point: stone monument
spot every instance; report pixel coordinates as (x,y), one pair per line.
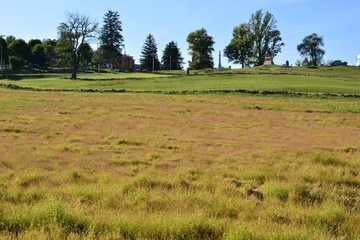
(268,59)
(306,62)
(219,67)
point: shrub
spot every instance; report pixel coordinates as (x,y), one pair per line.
(15,63)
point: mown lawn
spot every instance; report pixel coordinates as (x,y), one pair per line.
(344,80)
(141,166)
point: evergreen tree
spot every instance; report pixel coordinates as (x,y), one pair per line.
(200,47)
(171,59)
(111,37)
(149,59)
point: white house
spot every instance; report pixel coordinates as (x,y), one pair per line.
(358,61)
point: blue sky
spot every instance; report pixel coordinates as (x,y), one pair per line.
(172,20)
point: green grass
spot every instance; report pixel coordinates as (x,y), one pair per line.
(202,166)
(344,80)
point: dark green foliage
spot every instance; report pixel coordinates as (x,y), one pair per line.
(266,36)
(38,56)
(33,42)
(200,48)
(20,49)
(10,39)
(240,49)
(86,54)
(111,37)
(172,59)
(310,46)
(73,36)
(149,59)
(5,52)
(15,63)
(49,50)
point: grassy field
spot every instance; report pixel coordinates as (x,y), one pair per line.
(136,166)
(344,80)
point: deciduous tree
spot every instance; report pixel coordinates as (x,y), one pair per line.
(240,49)
(33,42)
(266,36)
(20,49)
(10,39)
(310,46)
(73,35)
(50,54)
(38,55)
(171,59)
(200,48)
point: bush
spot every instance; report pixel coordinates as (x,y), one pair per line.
(15,63)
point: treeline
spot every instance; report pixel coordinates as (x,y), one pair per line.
(252,41)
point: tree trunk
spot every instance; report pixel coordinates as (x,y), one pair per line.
(73,75)
(75,69)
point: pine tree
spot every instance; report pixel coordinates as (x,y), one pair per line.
(111,37)
(149,59)
(171,59)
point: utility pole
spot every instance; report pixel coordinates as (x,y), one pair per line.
(153,55)
(2,64)
(170,62)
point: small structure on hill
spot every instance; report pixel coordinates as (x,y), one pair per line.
(337,63)
(305,62)
(358,61)
(219,67)
(127,63)
(268,59)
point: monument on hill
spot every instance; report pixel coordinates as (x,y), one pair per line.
(268,59)
(358,61)
(219,67)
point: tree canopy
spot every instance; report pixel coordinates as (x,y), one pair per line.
(111,38)
(33,42)
(38,55)
(171,59)
(200,48)
(310,46)
(20,49)
(266,36)
(73,35)
(149,59)
(240,49)
(5,52)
